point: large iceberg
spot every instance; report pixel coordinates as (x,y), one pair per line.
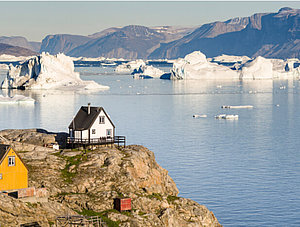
(147,71)
(196,66)
(262,68)
(47,72)
(129,67)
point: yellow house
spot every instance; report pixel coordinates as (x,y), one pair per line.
(13,172)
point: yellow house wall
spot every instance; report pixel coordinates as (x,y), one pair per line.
(13,177)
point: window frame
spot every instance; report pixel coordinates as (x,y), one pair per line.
(108,130)
(101,119)
(11,160)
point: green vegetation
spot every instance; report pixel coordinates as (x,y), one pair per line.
(20,152)
(172,198)
(141,213)
(71,161)
(156,196)
(32,205)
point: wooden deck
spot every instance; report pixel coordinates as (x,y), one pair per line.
(119,140)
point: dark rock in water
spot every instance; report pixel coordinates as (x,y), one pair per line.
(166,76)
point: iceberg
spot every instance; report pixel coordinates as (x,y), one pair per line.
(227,116)
(17,99)
(237,107)
(262,68)
(47,72)
(199,116)
(4,66)
(129,67)
(12,58)
(230,59)
(196,66)
(146,72)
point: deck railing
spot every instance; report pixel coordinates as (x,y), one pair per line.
(97,141)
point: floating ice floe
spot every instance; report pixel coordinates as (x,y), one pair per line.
(227,116)
(199,116)
(47,72)
(147,72)
(237,107)
(129,67)
(196,66)
(3,66)
(11,58)
(17,99)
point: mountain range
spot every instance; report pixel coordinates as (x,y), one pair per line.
(274,35)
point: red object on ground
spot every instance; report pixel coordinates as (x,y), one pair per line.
(122,204)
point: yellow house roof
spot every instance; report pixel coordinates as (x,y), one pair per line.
(4,149)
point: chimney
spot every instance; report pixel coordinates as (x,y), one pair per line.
(89,108)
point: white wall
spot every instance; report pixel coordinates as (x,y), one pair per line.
(101,128)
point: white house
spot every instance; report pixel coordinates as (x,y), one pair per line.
(91,123)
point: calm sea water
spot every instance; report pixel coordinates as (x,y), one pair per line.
(246,171)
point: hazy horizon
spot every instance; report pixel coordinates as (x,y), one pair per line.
(35,20)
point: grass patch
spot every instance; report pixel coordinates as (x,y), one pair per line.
(141,213)
(109,222)
(31,205)
(172,198)
(156,196)
(22,152)
(71,161)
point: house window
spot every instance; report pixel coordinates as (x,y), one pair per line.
(93,131)
(108,132)
(11,160)
(101,120)
(0,176)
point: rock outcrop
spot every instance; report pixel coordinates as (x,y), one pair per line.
(87,181)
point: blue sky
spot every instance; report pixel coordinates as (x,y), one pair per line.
(35,20)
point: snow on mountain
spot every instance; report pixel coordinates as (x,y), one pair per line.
(47,72)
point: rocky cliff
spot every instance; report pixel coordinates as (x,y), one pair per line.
(15,50)
(87,181)
(274,35)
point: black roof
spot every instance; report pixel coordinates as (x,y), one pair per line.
(3,150)
(84,121)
